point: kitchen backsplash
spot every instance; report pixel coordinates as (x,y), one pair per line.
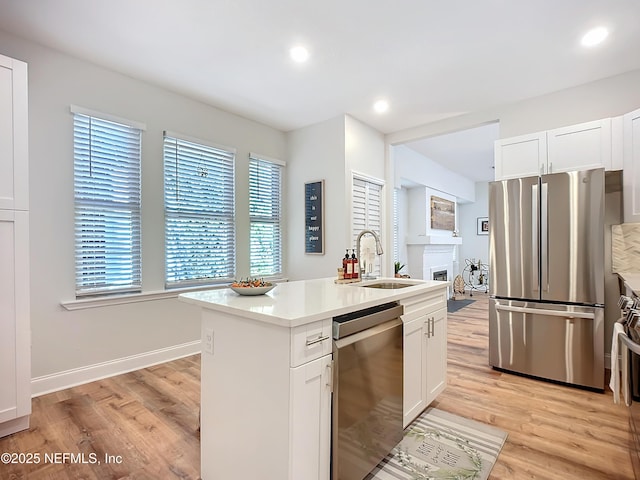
(625,247)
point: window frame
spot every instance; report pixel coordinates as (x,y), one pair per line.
(116,208)
(224,153)
(268,220)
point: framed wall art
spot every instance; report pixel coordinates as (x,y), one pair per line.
(443,214)
(483,226)
(314,217)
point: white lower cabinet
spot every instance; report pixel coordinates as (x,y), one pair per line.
(415,369)
(15,336)
(266,389)
(310,438)
(15,348)
(437,355)
(425,354)
(266,399)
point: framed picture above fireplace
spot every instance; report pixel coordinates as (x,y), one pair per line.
(443,214)
(483,226)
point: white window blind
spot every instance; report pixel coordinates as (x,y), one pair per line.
(265,212)
(199,212)
(107,206)
(366,213)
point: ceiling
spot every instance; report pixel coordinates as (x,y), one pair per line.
(430,59)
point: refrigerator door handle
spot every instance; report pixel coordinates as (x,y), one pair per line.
(544,237)
(534,236)
(541,311)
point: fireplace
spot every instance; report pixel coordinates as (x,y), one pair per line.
(440,275)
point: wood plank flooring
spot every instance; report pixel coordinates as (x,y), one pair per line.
(149,419)
(146,421)
(555,432)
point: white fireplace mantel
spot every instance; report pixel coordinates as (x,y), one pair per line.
(433,240)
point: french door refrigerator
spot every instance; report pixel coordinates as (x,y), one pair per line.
(546,272)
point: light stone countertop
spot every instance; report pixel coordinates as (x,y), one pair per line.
(291,304)
(631,280)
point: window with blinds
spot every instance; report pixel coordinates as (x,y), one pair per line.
(366,213)
(199,212)
(265,213)
(107,205)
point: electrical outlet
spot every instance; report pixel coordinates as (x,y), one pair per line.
(208,340)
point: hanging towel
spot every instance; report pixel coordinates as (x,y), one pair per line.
(614,382)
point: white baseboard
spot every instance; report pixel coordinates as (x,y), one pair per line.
(78,376)
(13,426)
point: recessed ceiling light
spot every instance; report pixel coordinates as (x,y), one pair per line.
(594,36)
(299,54)
(381,106)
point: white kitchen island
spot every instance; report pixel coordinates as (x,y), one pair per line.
(266,371)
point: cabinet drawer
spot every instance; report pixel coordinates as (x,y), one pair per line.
(310,341)
(424,304)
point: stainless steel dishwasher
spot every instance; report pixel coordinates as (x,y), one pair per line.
(367,389)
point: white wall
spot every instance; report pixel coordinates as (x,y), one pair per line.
(403,226)
(331,151)
(420,170)
(364,149)
(364,155)
(65,341)
(316,153)
(473,246)
(609,97)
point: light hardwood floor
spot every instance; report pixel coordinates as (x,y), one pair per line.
(555,432)
(149,418)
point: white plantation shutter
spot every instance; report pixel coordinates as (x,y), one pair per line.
(199,212)
(396,227)
(107,205)
(265,213)
(366,210)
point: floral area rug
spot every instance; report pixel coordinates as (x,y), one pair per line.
(438,446)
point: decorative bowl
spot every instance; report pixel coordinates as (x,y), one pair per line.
(252,290)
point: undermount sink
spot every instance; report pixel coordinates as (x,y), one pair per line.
(389,285)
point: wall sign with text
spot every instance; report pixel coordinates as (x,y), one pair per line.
(313,214)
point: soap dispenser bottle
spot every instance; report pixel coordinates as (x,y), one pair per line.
(356,267)
(346,265)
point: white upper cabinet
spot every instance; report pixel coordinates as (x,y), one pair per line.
(520,156)
(631,176)
(576,147)
(14,164)
(579,147)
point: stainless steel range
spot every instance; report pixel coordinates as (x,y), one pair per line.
(367,389)
(631,339)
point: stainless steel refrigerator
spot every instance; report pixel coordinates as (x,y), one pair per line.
(546,272)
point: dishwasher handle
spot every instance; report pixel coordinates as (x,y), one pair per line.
(355,322)
(369,332)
